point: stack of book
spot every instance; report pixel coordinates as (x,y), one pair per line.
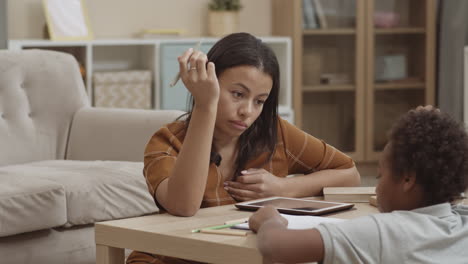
(348,194)
(373,200)
(313,14)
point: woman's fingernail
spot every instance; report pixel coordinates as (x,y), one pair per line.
(226,183)
(191,49)
(226,188)
(244,171)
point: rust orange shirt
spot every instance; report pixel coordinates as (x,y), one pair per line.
(296,153)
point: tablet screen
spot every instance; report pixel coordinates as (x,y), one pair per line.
(296,206)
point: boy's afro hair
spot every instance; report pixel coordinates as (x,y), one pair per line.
(434,146)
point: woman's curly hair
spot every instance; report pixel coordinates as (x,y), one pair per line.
(434,146)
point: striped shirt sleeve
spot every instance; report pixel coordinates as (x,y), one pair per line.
(306,153)
(160,157)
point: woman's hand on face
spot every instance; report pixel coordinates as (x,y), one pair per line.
(267,213)
(199,77)
(254,184)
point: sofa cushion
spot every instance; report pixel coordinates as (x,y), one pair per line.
(40,93)
(94,190)
(101,190)
(50,246)
(29,203)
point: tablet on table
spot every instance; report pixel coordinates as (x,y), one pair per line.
(295,205)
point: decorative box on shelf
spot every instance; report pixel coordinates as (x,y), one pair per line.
(123,89)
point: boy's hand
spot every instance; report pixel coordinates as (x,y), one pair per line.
(254,184)
(266,214)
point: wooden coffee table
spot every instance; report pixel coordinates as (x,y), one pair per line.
(169,235)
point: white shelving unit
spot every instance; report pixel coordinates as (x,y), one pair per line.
(158,56)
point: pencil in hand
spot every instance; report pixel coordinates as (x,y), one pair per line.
(177,77)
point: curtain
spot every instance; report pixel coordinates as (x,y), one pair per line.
(452,37)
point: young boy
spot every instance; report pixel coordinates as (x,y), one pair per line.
(423,169)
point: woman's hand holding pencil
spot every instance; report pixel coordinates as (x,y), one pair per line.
(199,77)
(177,77)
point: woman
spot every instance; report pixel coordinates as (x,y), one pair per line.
(232,145)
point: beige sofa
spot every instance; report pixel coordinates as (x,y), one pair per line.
(63,164)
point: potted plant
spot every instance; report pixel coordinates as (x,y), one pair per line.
(223,17)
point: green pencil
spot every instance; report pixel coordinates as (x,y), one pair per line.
(216,227)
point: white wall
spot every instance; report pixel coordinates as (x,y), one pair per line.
(124,18)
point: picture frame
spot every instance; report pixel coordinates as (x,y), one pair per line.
(67,20)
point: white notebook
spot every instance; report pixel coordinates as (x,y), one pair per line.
(299,221)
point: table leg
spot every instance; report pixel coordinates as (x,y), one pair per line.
(109,255)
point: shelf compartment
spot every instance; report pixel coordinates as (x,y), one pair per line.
(334,54)
(109,57)
(123,57)
(331,116)
(408,11)
(411,47)
(389,106)
(329,14)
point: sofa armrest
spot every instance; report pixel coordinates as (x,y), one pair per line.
(114,134)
